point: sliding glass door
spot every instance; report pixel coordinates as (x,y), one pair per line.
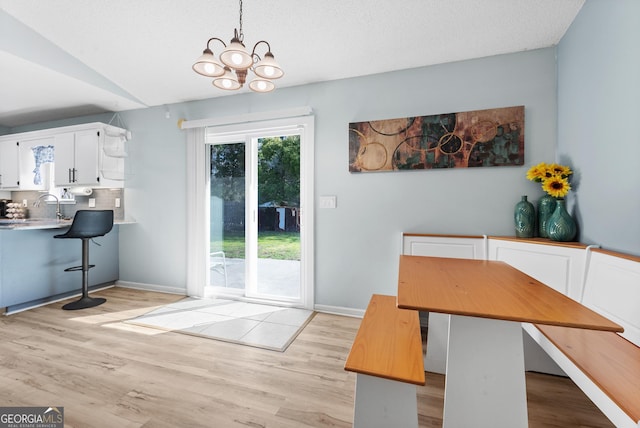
(256,225)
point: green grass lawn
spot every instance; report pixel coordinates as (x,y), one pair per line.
(271,245)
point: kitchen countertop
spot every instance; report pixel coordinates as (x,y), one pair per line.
(45,223)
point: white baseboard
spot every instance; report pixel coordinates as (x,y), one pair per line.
(151,287)
(335,310)
(340,310)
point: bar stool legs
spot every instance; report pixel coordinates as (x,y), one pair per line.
(85,301)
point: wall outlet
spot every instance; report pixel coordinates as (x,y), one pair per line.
(92,202)
(24,203)
(117,203)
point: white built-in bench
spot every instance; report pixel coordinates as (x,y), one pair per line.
(605,365)
(386,356)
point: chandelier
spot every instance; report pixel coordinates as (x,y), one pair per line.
(231,71)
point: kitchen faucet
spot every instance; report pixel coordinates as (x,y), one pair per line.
(46,195)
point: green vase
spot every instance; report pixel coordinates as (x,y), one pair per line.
(561,226)
(546,206)
(524,216)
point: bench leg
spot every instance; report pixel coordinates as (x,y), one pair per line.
(383,403)
(485,382)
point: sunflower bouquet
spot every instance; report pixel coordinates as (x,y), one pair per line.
(554,178)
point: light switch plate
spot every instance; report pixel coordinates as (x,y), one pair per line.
(328,201)
(92,202)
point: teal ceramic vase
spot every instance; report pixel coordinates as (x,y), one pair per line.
(561,226)
(546,206)
(524,216)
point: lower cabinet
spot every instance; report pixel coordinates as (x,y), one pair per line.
(560,266)
(32,265)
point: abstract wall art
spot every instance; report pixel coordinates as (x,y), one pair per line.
(492,137)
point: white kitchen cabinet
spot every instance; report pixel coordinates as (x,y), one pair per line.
(9,165)
(76,158)
(81,157)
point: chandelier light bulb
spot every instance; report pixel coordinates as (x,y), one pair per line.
(268,70)
(262,85)
(228,81)
(209,68)
(236,58)
(206,65)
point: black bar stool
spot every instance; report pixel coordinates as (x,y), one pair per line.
(87,224)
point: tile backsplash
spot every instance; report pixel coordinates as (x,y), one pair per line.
(105,199)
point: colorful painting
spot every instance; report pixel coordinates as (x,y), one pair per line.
(493,137)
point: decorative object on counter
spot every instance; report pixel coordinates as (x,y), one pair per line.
(15,211)
(554,178)
(561,226)
(525,218)
(546,206)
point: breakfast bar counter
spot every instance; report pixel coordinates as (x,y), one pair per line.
(32,263)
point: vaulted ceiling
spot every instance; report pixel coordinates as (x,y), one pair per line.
(68,58)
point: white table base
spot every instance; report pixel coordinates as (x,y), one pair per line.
(485,382)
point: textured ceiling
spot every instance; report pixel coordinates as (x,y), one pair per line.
(66,58)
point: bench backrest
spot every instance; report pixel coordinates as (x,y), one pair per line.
(612,288)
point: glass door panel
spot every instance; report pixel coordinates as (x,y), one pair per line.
(278,226)
(227,217)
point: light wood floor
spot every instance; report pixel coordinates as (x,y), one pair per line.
(106,373)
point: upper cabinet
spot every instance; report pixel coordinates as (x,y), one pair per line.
(76,158)
(9,160)
(66,156)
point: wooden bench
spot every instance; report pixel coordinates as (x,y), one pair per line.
(386,356)
(606,366)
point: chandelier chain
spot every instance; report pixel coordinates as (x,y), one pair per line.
(241,37)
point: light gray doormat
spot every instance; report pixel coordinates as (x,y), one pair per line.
(262,326)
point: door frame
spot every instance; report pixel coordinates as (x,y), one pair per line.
(302,125)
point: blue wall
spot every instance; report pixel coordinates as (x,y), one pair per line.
(598,118)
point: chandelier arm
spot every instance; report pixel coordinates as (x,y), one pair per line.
(253,52)
(215,38)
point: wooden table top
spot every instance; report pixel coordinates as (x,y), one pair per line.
(489,289)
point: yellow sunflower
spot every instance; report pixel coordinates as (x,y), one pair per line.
(538,172)
(556,186)
(561,170)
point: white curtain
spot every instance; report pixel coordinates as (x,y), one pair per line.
(197,213)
